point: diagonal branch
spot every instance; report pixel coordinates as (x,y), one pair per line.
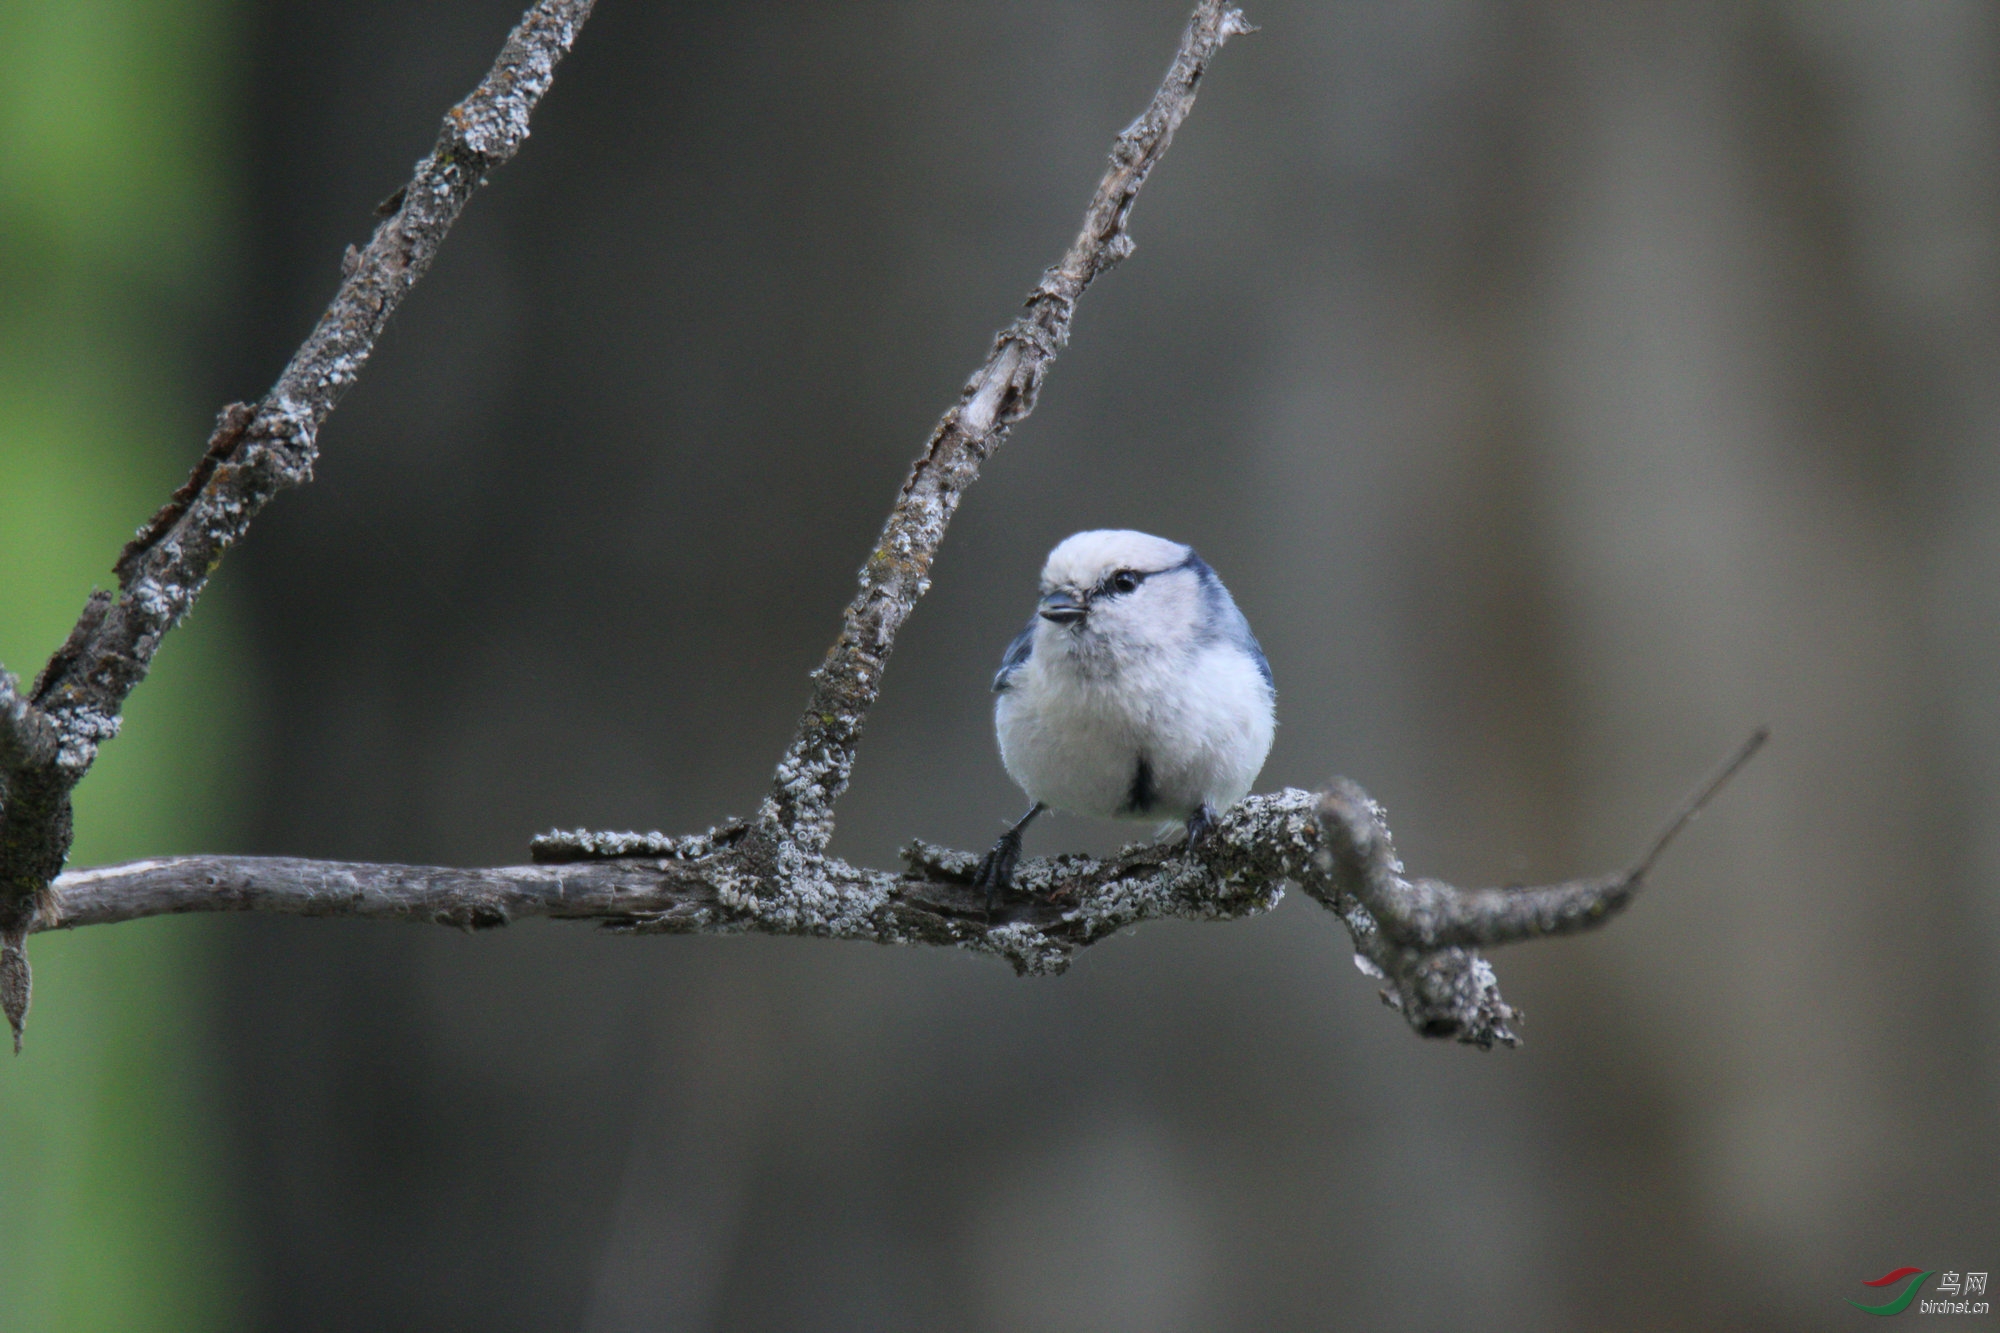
(258,451)
(814,771)
(255,452)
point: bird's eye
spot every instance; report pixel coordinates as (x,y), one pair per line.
(1124,581)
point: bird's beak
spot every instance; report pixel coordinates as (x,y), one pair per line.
(1063,609)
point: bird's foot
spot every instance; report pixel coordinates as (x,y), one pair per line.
(1200,825)
(996,872)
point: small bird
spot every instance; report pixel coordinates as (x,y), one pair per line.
(1137,691)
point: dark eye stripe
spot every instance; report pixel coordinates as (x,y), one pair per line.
(1122,580)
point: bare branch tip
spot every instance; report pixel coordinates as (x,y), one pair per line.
(1691,809)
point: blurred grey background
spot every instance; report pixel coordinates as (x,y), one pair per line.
(1563,389)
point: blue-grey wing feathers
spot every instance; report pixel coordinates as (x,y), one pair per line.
(1227,619)
(1018,653)
(1256,651)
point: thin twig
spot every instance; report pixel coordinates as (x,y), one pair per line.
(1694,805)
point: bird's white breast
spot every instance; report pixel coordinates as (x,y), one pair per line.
(1072,732)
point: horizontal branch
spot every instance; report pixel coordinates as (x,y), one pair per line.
(1426,915)
(1417,935)
(716,883)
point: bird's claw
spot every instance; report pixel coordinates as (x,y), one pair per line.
(996,872)
(1200,825)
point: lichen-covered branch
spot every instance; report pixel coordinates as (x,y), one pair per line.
(27,739)
(797,819)
(1420,936)
(716,883)
(255,452)
(33,842)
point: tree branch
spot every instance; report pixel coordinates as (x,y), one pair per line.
(1426,915)
(1420,936)
(715,883)
(254,453)
(27,739)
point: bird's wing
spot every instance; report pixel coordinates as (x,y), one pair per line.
(1228,619)
(1018,653)
(1256,651)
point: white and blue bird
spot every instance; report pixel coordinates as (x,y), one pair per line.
(1137,691)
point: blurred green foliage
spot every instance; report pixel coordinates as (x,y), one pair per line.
(115,204)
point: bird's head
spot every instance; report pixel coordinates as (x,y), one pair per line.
(1115,587)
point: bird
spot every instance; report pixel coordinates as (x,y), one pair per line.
(1137,691)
